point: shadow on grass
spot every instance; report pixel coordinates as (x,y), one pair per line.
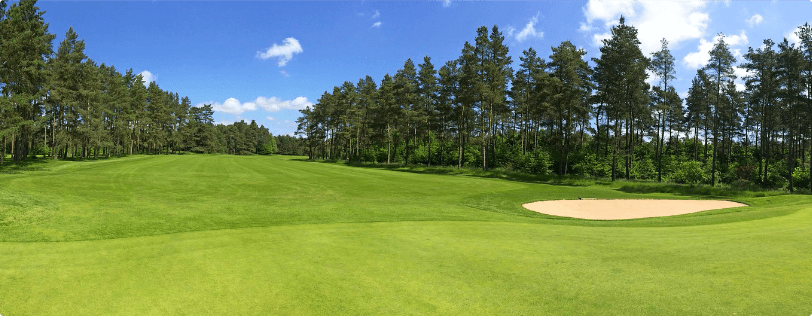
(496,173)
(575,181)
(9,167)
(695,190)
(41,163)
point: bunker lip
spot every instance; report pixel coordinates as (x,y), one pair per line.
(625,209)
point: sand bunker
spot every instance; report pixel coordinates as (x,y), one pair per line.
(625,209)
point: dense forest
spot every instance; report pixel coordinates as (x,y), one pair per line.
(571,116)
(63,104)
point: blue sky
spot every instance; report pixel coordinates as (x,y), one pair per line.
(264,60)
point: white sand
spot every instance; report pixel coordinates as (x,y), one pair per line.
(625,209)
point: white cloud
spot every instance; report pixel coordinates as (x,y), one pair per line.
(740,72)
(224,122)
(377,24)
(376,15)
(446,3)
(652,78)
(755,20)
(147,77)
(284,73)
(597,39)
(233,106)
(736,40)
(270,118)
(285,51)
(699,58)
(529,30)
(792,37)
(272,104)
(676,21)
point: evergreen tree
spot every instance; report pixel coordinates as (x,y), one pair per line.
(805,35)
(26,44)
(427,93)
(662,65)
(719,70)
(570,89)
(621,79)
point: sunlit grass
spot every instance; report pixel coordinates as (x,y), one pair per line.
(201,234)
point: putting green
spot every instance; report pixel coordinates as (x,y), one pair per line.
(190,235)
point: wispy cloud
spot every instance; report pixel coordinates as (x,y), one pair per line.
(755,20)
(529,30)
(446,3)
(284,73)
(376,15)
(284,52)
(377,24)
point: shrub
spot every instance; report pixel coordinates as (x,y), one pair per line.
(689,172)
(644,170)
(588,165)
(800,178)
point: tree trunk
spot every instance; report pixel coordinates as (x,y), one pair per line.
(388,144)
(614,152)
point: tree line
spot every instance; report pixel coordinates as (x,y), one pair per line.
(63,104)
(571,116)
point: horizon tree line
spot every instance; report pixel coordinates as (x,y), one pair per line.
(62,104)
(567,115)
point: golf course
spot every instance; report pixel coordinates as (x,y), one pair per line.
(278,235)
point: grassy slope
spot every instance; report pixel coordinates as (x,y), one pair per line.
(330,238)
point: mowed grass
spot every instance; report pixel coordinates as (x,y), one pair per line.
(192,235)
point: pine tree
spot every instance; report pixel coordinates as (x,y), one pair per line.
(719,70)
(407,98)
(805,35)
(26,44)
(528,82)
(570,89)
(447,104)
(791,81)
(427,94)
(388,111)
(662,64)
(621,79)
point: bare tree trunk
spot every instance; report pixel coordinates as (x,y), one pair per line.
(614,152)
(388,144)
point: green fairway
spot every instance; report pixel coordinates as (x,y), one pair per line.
(209,234)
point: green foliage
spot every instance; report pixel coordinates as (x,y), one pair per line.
(644,169)
(589,165)
(800,178)
(689,172)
